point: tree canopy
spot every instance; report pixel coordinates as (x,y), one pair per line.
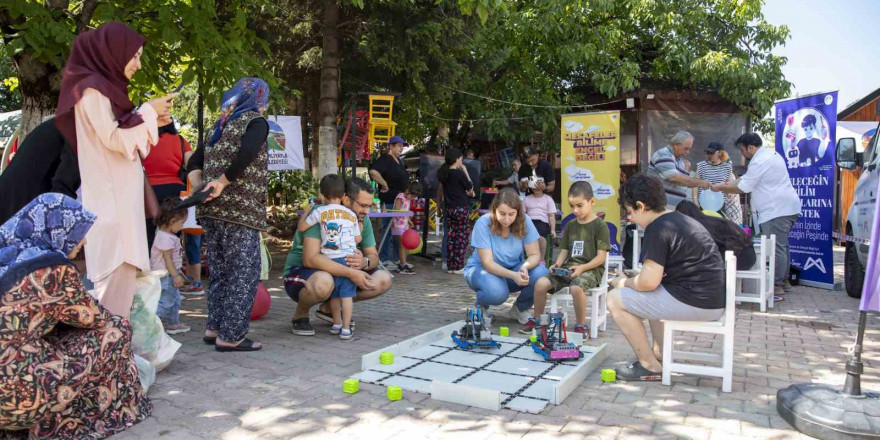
(507,67)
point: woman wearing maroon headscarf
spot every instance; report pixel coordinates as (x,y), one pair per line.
(110,137)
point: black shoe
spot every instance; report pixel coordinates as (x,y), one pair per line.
(302,327)
(636,372)
(328,318)
(406,270)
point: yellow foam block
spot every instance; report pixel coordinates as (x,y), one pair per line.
(351,386)
(394,393)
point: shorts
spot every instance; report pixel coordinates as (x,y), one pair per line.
(586,280)
(193,249)
(542,227)
(296,278)
(660,304)
(342,286)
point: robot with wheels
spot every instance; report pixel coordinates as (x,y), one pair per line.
(552,342)
(475,333)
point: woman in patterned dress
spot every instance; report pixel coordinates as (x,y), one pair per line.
(68,371)
(234,162)
(457,188)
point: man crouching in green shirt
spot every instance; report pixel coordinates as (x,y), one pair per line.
(308,275)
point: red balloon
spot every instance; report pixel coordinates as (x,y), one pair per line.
(411,239)
(262,303)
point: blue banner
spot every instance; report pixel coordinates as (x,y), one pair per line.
(806,138)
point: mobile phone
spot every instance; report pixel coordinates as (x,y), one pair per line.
(565,273)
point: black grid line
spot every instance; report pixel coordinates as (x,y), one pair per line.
(510,397)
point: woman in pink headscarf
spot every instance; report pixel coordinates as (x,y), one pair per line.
(110,137)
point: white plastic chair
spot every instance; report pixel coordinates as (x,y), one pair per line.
(638,234)
(597,297)
(723,327)
(763,274)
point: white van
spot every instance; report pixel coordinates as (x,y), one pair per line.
(861,214)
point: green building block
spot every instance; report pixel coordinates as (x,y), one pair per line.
(386,358)
(351,386)
(533,338)
(394,393)
(503,331)
(609,375)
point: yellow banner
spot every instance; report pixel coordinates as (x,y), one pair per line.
(591,152)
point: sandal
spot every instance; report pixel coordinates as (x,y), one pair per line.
(245,345)
(636,372)
(210,340)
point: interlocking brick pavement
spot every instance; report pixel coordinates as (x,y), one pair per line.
(293,387)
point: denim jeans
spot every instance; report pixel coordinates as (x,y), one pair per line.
(781,226)
(493,290)
(343,287)
(388,252)
(169,302)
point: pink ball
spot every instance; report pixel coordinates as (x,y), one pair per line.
(411,239)
(262,303)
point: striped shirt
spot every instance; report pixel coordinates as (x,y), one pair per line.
(665,165)
(715,174)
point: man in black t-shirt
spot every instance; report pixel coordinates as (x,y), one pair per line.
(539,173)
(682,276)
(389,172)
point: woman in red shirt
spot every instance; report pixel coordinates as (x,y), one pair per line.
(166,171)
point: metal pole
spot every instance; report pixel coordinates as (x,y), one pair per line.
(854,367)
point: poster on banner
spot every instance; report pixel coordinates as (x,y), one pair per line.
(806,138)
(285,145)
(591,152)
(871,292)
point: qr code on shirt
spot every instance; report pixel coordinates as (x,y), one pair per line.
(577,249)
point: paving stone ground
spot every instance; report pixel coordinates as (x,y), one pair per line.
(293,387)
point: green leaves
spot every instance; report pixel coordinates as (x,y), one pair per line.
(186,39)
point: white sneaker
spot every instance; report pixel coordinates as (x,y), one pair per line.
(455,272)
(390,265)
(487,313)
(520,316)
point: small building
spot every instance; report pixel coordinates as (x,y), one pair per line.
(652,114)
(865,109)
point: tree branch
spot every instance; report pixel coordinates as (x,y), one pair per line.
(58,5)
(85,15)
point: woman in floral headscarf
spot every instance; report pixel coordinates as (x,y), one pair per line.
(110,137)
(76,380)
(235,164)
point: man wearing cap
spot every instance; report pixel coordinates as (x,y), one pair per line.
(775,203)
(389,172)
(668,164)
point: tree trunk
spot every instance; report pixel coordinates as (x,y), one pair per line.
(328,106)
(40,83)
